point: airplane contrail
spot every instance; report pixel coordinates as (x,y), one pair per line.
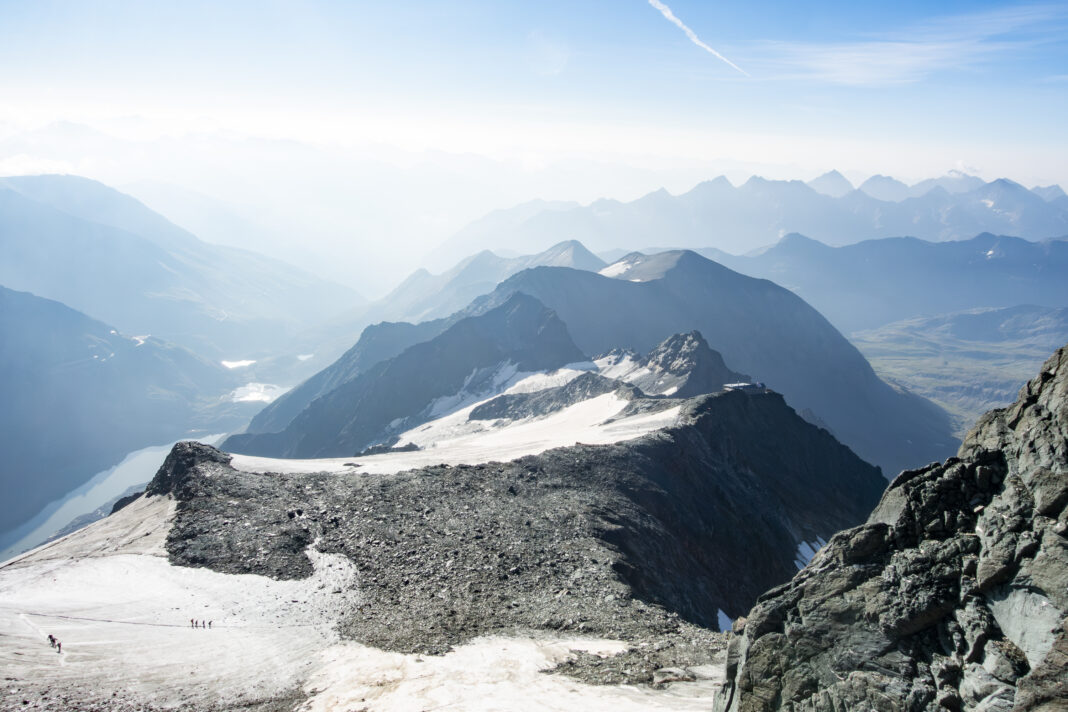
(670,16)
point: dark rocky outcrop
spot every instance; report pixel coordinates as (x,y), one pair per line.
(645,540)
(953,595)
(684,366)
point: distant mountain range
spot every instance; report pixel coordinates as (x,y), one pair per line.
(759,328)
(760,212)
(77,395)
(424,296)
(107,255)
(876,282)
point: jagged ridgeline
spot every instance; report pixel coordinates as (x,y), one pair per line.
(638,540)
(761,329)
(953,595)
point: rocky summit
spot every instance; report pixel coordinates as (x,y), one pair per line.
(953,595)
(652,541)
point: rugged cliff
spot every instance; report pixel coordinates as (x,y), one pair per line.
(953,595)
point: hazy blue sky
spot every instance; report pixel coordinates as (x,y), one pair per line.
(550,90)
(982,73)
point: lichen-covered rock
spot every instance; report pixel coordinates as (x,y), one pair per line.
(952,596)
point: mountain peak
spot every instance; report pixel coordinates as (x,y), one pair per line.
(569,253)
(795,239)
(885,188)
(1049,193)
(831,183)
(691,365)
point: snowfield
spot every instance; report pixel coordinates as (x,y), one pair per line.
(455,439)
(122,611)
(123,615)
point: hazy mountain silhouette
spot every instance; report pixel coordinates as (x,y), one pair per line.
(424,296)
(885,188)
(831,183)
(104,253)
(760,212)
(876,282)
(76,396)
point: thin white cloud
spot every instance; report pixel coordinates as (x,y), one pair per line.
(912,54)
(670,16)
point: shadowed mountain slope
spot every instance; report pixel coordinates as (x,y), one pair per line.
(107,255)
(758,327)
(396,394)
(77,396)
(876,282)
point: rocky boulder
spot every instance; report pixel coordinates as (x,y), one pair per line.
(953,595)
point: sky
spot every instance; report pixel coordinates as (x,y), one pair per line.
(360,127)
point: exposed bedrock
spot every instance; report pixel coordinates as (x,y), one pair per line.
(952,596)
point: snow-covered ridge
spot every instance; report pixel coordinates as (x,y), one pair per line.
(620,267)
(456,440)
(453,437)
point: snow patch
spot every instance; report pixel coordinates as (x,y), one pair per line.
(122,612)
(456,440)
(490,673)
(538,381)
(504,374)
(238,364)
(622,367)
(617,269)
(256,392)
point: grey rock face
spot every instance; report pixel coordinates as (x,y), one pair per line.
(684,366)
(953,595)
(644,541)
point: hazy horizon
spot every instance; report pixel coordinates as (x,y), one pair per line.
(353,139)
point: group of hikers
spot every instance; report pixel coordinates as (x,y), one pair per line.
(54,642)
(193,623)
